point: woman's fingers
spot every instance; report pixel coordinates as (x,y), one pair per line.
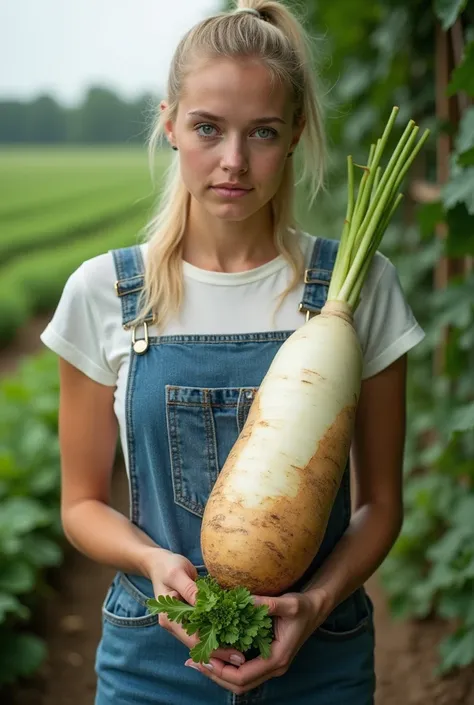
(181,585)
(232,656)
(214,670)
(184,584)
(224,655)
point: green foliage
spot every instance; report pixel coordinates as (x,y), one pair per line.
(448,11)
(30,531)
(220,618)
(20,656)
(384,55)
(462,78)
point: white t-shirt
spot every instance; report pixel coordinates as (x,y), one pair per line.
(86,329)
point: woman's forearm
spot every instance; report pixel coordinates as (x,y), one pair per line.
(108,537)
(370,536)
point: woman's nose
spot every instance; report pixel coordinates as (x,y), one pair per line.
(234,157)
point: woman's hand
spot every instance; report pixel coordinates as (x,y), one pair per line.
(298,615)
(172,574)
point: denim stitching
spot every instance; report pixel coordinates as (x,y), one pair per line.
(315,293)
(129,260)
(134,592)
(129,284)
(262,337)
(240,411)
(235,396)
(134,503)
(212,456)
(200,405)
(125,262)
(146,621)
(175,460)
(119,263)
(244,405)
(205,405)
(342,636)
(130,622)
(124,265)
(169,423)
(136,255)
(318,273)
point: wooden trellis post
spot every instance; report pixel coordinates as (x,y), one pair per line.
(449,52)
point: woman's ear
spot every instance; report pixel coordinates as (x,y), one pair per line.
(168,126)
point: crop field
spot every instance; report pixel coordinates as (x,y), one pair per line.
(58,208)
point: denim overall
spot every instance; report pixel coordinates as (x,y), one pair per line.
(187,400)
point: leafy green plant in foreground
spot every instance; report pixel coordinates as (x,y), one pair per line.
(30,530)
(221,618)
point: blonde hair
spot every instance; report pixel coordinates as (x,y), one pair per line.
(277,38)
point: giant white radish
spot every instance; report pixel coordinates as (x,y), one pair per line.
(268,510)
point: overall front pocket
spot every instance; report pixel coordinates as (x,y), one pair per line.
(125,605)
(349,619)
(203,425)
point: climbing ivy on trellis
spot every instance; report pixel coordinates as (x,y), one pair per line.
(384,54)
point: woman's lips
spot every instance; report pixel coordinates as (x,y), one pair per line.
(225,192)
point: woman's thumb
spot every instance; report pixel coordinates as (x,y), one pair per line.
(185,586)
(278,606)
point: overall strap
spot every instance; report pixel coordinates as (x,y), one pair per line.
(318,276)
(130,269)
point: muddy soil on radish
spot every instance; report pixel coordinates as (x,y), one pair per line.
(406,652)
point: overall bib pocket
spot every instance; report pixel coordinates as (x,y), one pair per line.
(203,425)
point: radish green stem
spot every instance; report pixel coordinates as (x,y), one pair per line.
(342,273)
(370,212)
(383,182)
(368,234)
(355,293)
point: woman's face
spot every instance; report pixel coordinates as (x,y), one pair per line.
(234,130)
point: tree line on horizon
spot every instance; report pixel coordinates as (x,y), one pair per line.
(102,117)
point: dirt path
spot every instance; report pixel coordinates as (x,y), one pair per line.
(26,342)
(406,652)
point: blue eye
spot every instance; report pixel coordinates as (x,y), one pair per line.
(205,130)
(268,133)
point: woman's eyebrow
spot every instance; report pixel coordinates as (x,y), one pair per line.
(215,118)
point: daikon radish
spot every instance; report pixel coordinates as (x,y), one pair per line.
(268,511)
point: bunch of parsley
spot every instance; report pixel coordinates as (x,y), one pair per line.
(221,618)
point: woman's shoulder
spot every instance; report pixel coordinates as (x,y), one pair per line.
(102,267)
(86,326)
(98,275)
(93,280)
(94,283)
(97,271)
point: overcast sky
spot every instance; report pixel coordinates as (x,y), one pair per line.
(63,46)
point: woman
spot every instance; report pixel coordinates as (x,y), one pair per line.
(167,342)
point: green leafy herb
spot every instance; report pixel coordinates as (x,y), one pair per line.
(220,618)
